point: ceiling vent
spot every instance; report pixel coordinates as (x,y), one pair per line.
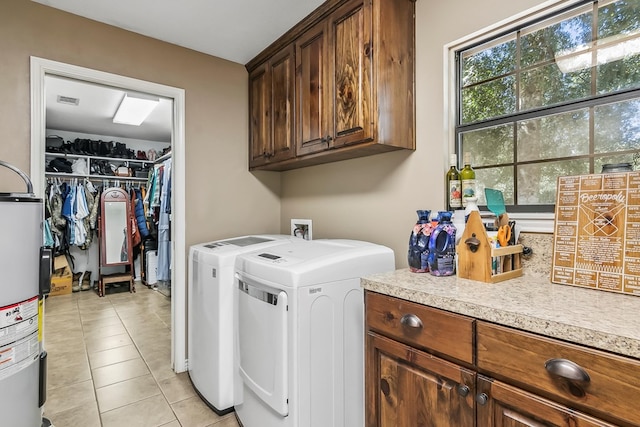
(68,100)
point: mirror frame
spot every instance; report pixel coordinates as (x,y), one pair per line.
(114,194)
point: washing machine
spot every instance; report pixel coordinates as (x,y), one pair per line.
(211,315)
(300,339)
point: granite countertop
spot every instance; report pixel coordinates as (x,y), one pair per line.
(598,319)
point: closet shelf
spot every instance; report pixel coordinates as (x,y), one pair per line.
(163,157)
(84,156)
(94,177)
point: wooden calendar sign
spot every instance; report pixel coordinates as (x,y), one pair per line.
(596,241)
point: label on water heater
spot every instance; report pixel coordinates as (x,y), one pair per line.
(18,355)
(18,320)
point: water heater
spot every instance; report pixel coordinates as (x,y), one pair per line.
(26,273)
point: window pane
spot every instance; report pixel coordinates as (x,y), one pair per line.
(547,85)
(488,100)
(618,17)
(560,135)
(618,46)
(500,178)
(489,146)
(619,74)
(544,41)
(537,182)
(617,127)
(488,61)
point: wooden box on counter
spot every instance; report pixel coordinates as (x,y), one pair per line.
(476,256)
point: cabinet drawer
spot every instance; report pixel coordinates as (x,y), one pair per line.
(594,381)
(421,326)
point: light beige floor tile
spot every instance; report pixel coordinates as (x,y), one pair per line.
(92,325)
(85,416)
(106,331)
(111,356)
(63,359)
(117,372)
(228,421)
(151,412)
(193,412)
(101,306)
(100,315)
(160,367)
(126,392)
(173,423)
(61,373)
(177,388)
(98,343)
(71,350)
(71,396)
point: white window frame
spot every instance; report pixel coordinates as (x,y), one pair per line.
(542,222)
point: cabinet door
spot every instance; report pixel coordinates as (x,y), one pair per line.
(408,388)
(282,70)
(259,120)
(502,405)
(313,107)
(351,79)
(271,100)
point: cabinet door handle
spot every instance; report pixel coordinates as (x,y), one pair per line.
(411,321)
(326,139)
(482,399)
(463,390)
(568,370)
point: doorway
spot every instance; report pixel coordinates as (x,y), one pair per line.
(43,68)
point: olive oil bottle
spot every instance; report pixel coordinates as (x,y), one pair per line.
(454,190)
(468,180)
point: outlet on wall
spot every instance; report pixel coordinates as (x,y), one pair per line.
(302,228)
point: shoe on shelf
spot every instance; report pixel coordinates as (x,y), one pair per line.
(86,281)
(75,284)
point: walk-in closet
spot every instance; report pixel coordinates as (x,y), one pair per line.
(90,155)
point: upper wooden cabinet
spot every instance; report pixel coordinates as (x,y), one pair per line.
(354,83)
(271,110)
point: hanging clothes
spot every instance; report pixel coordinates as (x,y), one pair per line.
(164,232)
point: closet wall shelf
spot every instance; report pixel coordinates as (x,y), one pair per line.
(94,177)
(163,158)
(84,156)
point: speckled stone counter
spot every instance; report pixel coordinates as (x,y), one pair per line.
(598,319)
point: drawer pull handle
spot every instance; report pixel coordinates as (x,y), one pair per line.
(411,321)
(568,370)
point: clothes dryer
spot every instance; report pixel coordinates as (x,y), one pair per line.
(211,315)
(300,339)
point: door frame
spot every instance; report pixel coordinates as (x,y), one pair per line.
(41,67)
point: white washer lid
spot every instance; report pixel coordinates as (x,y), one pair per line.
(299,263)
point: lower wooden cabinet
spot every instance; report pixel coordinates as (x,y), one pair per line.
(418,374)
(502,405)
(409,388)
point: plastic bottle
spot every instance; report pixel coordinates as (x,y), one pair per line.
(442,247)
(419,243)
(468,180)
(453,189)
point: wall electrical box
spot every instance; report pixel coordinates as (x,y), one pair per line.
(302,228)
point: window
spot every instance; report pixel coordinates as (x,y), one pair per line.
(556,96)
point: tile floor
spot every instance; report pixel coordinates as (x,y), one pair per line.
(109,364)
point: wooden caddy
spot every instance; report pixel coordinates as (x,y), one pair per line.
(475,255)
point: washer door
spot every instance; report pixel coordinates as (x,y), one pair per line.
(262,337)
